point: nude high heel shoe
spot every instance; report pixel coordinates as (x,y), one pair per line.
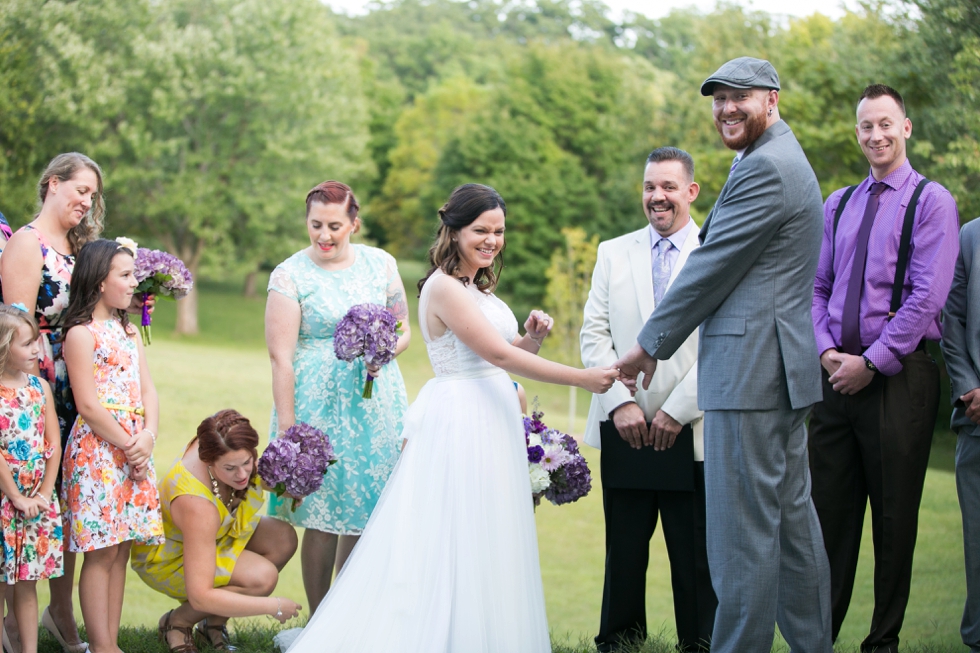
(51,627)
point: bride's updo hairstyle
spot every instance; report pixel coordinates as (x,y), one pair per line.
(224,432)
(467,203)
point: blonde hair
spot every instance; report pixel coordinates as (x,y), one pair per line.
(11,319)
(63,167)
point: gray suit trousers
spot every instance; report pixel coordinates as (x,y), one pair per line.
(765,547)
(968,491)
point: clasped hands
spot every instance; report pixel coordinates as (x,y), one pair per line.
(849,374)
(138,451)
(635,362)
(632,426)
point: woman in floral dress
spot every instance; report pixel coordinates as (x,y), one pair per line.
(309,294)
(35,271)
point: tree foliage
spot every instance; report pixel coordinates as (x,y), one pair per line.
(212,118)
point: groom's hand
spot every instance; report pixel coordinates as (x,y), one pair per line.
(631,424)
(630,366)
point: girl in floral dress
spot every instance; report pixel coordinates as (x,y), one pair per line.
(109,488)
(30,444)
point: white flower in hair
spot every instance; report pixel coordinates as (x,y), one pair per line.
(128,243)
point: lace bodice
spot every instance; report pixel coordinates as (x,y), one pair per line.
(448,355)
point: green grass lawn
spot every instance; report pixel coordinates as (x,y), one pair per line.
(227,366)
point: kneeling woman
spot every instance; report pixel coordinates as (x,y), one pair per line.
(221,558)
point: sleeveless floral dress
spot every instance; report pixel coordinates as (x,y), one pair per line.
(365,433)
(103,505)
(32,548)
(49,309)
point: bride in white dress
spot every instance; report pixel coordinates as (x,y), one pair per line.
(448,562)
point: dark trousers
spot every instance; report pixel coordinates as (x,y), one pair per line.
(874,446)
(631,518)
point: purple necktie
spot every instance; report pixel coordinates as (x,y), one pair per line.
(850,322)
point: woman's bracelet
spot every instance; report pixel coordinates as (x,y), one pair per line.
(278,607)
(535,340)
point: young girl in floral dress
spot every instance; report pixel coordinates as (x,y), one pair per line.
(30,444)
(109,488)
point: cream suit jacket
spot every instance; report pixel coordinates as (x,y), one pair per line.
(620,301)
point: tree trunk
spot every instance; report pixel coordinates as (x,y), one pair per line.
(249,290)
(187,314)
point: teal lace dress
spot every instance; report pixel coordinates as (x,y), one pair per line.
(366,433)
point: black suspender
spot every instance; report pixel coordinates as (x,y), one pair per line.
(903,246)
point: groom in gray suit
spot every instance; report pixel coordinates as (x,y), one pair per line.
(961,349)
(749,287)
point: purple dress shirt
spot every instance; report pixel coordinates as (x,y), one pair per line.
(932,257)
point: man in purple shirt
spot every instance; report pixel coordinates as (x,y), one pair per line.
(870,436)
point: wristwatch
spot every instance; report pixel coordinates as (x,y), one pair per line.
(869,364)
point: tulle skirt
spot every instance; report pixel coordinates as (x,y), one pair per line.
(448,562)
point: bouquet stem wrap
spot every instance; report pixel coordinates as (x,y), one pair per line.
(368,387)
(146,322)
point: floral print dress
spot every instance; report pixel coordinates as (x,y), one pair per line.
(366,433)
(103,505)
(52,301)
(31,547)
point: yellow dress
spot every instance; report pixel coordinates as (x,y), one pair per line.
(161,566)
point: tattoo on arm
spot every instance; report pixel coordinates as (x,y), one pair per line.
(397,303)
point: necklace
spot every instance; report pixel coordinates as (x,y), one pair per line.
(217,492)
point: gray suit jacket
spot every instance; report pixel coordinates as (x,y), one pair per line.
(751,285)
(961,328)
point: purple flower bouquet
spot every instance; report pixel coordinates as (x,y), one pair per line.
(367,330)
(557,468)
(162,274)
(296,461)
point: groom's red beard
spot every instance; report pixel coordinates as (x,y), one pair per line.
(755,125)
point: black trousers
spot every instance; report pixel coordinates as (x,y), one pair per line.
(874,446)
(631,518)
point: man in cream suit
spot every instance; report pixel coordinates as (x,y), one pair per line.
(749,288)
(631,275)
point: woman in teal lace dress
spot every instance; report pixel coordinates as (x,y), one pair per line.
(309,293)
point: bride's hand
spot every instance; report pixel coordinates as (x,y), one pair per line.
(538,325)
(599,379)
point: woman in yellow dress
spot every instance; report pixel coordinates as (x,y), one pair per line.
(210,501)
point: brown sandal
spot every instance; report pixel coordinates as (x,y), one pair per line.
(215,636)
(165,628)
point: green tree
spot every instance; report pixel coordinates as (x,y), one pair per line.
(237,110)
(569,280)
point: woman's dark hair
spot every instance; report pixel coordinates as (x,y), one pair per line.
(224,432)
(467,203)
(63,167)
(334,192)
(92,266)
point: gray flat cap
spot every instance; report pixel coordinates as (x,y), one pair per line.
(744,72)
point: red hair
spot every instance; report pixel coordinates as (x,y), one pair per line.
(334,192)
(224,432)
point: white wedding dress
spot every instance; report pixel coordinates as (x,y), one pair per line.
(448,562)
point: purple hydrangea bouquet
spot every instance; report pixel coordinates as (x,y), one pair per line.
(557,468)
(296,461)
(161,274)
(367,330)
